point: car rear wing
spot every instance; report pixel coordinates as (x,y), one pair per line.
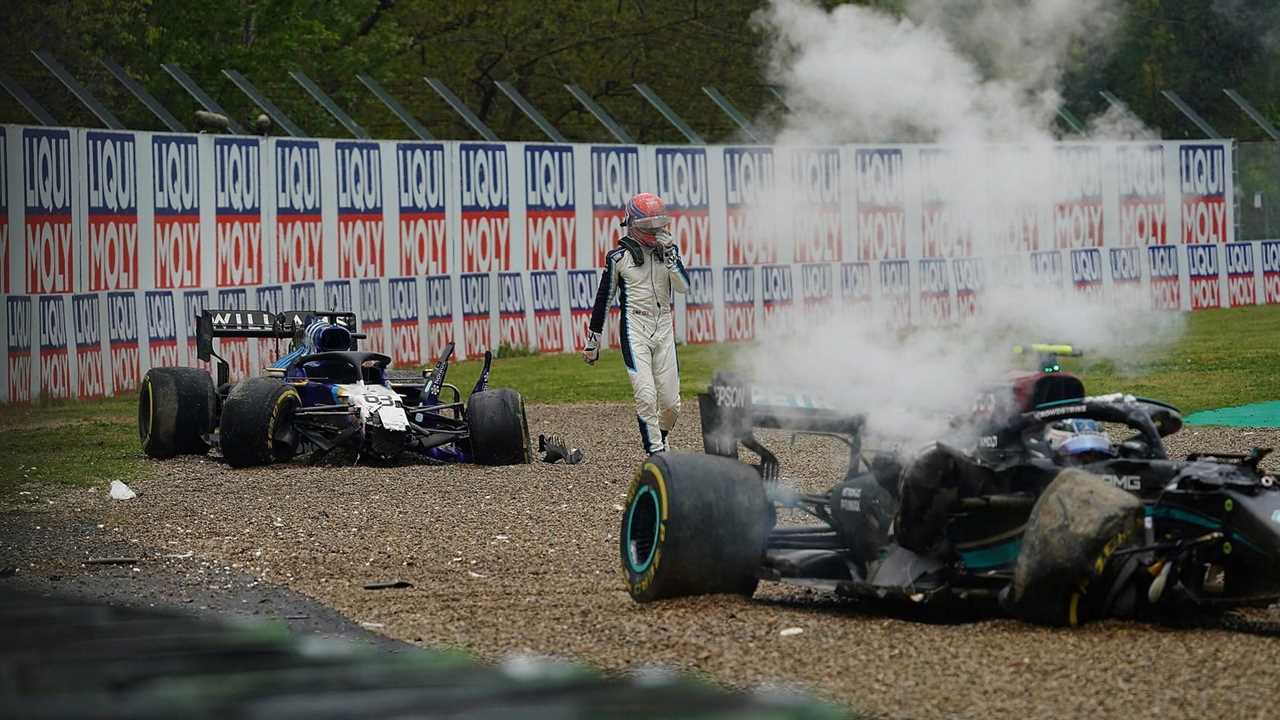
(288,325)
(733,407)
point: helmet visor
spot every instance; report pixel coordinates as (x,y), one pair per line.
(652,223)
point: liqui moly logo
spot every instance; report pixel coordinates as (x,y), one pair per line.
(299,242)
(406,347)
(700,311)
(582,297)
(1086,270)
(486,215)
(18,311)
(238,191)
(777,295)
(122,335)
(1240,285)
(551,238)
(684,186)
(545,296)
(372,319)
(945,235)
(476,292)
(935,292)
(895,291)
(162,328)
(87,324)
(615,179)
(193,303)
(4,215)
(815,174)
(749,183)
(1046,269)
(55,366)
(46,192)
(303,295)
(1126,266)
(424,244)
(234,350)
(175,174)
(337,296)
(439,313)
(1203,180)
(362,247)
(513,329)
(1163,268)
(879,180)
(971,280)
(1143,220)
(269,298)
(111,170)
(1077,211)
(1202,266)
(816,289)
(855,283)
(740,303)
(1271,272)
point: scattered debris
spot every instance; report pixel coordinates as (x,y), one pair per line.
(788,632)
(111,561)
(181,556)
(554,449)
(120,491)
(372,625)
(475,574)
(297,617)
(8,572)
(387,584)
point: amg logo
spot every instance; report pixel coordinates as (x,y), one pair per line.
(1124,482)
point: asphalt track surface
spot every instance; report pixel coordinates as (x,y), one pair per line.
(525,559)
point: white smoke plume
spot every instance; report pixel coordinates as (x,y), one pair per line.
(979,77)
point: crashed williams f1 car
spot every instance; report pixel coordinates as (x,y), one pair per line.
(999,523)
(325,398)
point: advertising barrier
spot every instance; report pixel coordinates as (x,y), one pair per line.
(110,242)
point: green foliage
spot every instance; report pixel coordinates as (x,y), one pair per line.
(79,443)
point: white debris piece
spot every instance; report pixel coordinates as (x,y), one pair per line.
(120,491)
(788,632)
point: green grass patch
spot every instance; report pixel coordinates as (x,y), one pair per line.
(69,442)
(1225,358)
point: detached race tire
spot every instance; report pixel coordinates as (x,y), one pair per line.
(693,525)
(257,422)
(175,410)
(1065,570)
(499,429)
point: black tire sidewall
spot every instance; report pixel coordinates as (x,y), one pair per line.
(714,520)
(179,404)
(498,427)
(250,417)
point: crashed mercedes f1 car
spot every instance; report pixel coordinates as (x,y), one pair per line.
(326,399)
(998,519)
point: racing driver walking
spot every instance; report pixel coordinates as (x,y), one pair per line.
(642,271)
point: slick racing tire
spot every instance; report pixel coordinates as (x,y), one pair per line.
(1067,563)
(499,428)
(693,525)
(257,422)
(175,411)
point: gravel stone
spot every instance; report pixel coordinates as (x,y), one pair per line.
(525,559)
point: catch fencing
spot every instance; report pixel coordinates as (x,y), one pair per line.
(112,241)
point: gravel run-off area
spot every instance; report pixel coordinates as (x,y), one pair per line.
(525,559)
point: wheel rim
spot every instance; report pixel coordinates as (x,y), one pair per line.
(145,411)
(642,530)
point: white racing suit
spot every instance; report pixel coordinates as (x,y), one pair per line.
(643,278)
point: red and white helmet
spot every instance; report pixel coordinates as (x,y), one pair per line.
(645,217)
